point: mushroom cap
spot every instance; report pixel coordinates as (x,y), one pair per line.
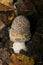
(20,29)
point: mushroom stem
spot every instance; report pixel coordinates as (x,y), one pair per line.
(17,46)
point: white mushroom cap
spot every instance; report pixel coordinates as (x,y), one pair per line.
(20,29)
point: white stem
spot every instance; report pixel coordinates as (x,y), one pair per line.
(17,46)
